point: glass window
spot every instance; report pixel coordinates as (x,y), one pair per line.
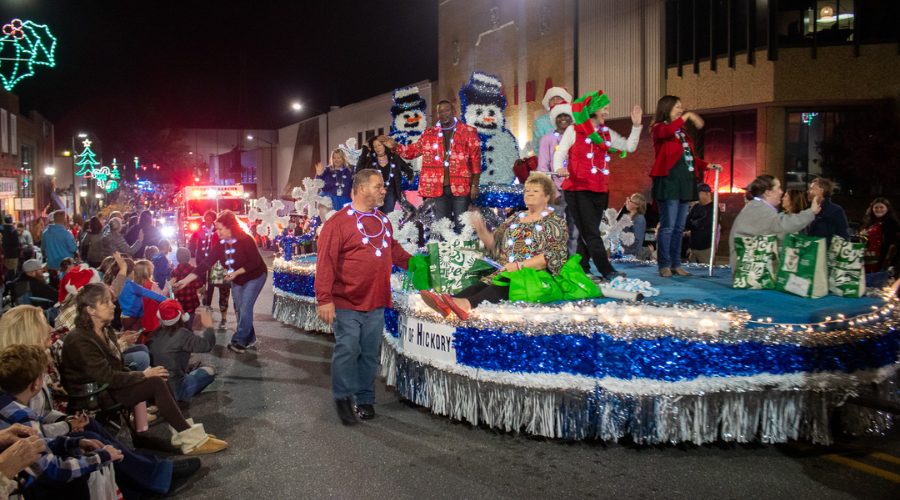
(729,140)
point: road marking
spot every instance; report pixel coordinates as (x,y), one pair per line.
(849,462)
(885,457)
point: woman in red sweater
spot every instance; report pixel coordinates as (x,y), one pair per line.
(675,174)
(238,253)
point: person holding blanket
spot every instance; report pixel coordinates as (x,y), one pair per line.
(760,216)
(587,146)
(535,238)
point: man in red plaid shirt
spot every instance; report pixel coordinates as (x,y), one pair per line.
(188,296)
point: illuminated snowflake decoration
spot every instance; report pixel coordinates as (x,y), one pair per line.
(23,46)
(615,236)
(271,223)
(349,147)
(308,196)
(406,234)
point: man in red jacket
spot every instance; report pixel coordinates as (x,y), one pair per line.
(353,286)
(451,162)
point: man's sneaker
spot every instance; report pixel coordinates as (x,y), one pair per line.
(365,412)
(614,274)
(253,344)
(345,411)
(235,347)
(222,325)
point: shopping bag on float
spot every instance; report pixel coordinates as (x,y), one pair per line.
(479,269)
(217,274)
(417,274)
(846,275)
(102,484)
(574,283)
(448,263)
(529,285)
(803,268)
(756,260)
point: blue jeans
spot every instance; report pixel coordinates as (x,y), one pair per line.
(192,384)
(672,216)
(137,357)
(572,244)
(244,299)
(449,206)
(390,201)
(146,470)
(357,336)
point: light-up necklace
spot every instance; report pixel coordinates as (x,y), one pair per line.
(367,238)
(688,155)
(528,241)
(390,172)
(229,253)
(607,144)
(447,152)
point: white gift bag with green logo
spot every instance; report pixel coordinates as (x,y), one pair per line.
(846,275)
(804,266)
(448,263)
(756,259)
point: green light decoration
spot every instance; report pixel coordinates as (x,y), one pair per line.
(86,160)
(107,179)
(23,46)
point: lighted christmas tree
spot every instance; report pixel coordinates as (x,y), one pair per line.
(86,160)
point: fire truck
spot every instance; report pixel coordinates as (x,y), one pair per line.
(196,200)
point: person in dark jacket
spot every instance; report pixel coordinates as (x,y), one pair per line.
(698,227)
(31,281)
(151,233)
(377,156)
(171,346)
(246,270)
(881,228)
(12,248)
(831,219)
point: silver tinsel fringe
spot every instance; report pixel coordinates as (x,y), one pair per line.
(300,314)
(769,416)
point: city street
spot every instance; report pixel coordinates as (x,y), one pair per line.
(285,441)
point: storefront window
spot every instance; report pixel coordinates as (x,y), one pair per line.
(730,140)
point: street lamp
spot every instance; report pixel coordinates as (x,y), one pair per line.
(83,194)
(296,106)
(49,171)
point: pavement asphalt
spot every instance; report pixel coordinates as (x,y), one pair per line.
(285,441)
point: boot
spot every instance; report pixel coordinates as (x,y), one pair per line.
(195,441)
(680,271)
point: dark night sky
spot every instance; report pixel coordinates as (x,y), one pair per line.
(126,64)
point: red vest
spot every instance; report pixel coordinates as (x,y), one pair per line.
(580,177)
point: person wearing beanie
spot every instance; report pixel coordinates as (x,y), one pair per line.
(547,124)
(31,285)
(171,346)
(561,115)
(698,227)
(160,260)
(188,296)
(587,145)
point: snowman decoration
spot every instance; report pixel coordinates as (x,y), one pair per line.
(482,108)
(408,119)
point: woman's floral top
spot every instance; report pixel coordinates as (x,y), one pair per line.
(516,241)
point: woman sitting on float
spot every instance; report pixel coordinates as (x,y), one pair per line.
(534,238)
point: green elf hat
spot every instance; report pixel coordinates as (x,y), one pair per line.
(583,108)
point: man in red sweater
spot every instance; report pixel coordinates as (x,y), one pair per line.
(353,286)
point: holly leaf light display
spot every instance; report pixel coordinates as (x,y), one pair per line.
(23,46)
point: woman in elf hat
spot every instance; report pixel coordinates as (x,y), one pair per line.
(587,146)
(676,173)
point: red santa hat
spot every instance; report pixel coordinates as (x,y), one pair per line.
(75,279)
(170,311)
(560,109)
(556,92)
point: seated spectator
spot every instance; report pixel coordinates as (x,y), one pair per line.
(105,264)
(91,355)
(830,220)
(162,272)
(133,293)
(31,284)
(760,217)
(188,296)
(150,251)
(25,325)
(92,243)
(794,201)
(20,447)
(62,469)
(65,265)
(172,344)
(698,227)
(636,205)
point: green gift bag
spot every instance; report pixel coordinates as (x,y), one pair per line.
(448,263)
(529,285)
(479,269)
(756,258)
(574,283)
(803,270)
(418,272)
(846,276)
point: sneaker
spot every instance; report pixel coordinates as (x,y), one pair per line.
(185,468)
(253,344)
(597,279)
(235,347)
(222,325)
(615,274)
(365,412)
(345,411)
